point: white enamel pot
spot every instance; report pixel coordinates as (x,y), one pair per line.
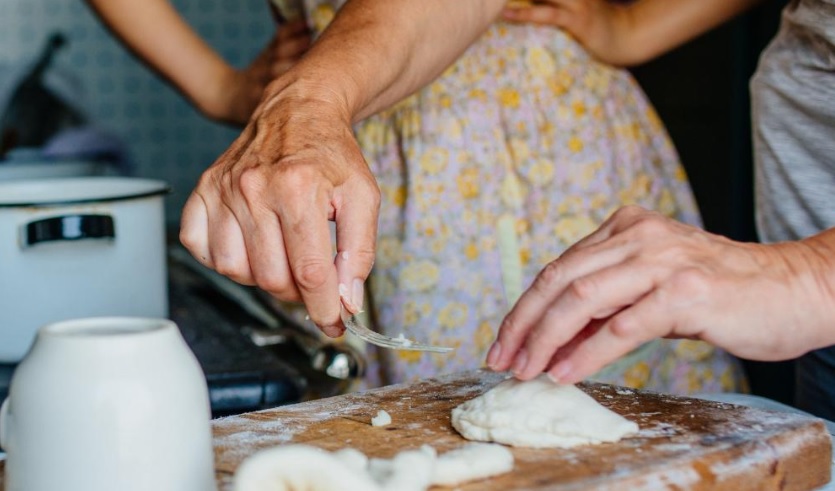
(78,247)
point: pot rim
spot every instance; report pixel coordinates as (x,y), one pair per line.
(70,191)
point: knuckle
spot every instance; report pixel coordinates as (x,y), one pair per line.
(295,181)
(690,282)
(206,180)
(364,257)
(623,326)
(229,267)
(190,240)
(251,183)
(311,273)
(550,275)
(510,327)
(650,225)
(277,285)
(583,289)
(628,211)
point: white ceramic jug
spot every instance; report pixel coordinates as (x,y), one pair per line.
(105,404)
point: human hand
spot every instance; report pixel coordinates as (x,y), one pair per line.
(259,214)
(599,25)
(642,276)
(239,91)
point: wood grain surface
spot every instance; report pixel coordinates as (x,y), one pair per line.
(683,443)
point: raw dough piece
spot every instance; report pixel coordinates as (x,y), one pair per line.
(409,470)
(539,413)
(382,419)
(470,462)
(293,467)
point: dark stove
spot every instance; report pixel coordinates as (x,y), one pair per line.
(241,375)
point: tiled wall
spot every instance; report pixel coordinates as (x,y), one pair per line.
(167,139)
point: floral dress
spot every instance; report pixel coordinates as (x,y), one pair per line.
(519,149)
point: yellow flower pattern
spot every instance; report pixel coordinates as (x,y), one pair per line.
(525,126)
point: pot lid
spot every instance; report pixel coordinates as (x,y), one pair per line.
(73,190)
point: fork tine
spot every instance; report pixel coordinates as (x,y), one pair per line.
(378,339)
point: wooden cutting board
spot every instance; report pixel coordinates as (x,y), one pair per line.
(683,443)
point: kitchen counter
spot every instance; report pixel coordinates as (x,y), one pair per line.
(683,443)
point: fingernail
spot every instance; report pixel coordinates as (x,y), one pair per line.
(493,355)
(348,297)
(561,372)
(358,294)
(333,331)
(520,362)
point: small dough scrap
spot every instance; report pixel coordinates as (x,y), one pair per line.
(382,419)
(539,413)
(471,462)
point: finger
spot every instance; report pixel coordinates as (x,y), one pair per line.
(643,321)
(556,14)
(265,247)
(616,223)
(356,235)
(292,29)
(226,245)
(304,224)
(292,47)
(590,297)
(194,229)
(545,289)
(281,67)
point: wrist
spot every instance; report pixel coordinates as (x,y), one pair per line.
(307,88)
(812,263)
(626,37)
(212,97)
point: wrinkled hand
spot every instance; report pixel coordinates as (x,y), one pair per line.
(599,25)
(259,214)
(641,276)
(239,91)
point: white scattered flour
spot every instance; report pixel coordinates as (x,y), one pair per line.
(539,413)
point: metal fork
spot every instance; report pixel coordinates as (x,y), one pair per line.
(357,329)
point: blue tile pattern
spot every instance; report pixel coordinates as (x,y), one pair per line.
(167,138)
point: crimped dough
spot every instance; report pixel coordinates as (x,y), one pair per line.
(539,413)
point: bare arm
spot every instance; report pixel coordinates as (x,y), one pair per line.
(259,214)
(634,33)
(641,276)
(160,37)
(377,52)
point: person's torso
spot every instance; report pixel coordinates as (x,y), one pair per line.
(793,103)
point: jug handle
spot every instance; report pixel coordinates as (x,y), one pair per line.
(4,425)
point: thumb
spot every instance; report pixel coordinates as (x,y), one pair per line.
(356,235)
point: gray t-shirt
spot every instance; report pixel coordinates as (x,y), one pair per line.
(793,104)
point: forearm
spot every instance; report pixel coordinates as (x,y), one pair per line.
(378,51)
(157,34)
(655,27)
